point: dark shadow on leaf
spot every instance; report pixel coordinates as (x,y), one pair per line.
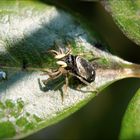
(55,84)
(27,51)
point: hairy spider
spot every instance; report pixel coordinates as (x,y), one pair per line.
(73,65)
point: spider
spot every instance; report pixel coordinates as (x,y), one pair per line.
(74,65)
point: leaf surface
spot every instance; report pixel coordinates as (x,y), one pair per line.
(131,122)
(126,14)
(27,30)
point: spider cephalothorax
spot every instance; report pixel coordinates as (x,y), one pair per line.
(73,65)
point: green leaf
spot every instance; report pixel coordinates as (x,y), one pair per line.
(27,30)
(126,15)
(131,122)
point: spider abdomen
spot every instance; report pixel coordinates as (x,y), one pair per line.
(80,67)
(85,69)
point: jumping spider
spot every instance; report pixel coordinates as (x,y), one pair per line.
(73,65)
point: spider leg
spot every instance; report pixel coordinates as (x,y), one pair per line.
(61,51)
(81,79)
(94,64)
(58,47)
(52,77)
(54,52)
(89,53)
(69,49)
(95,58)
(85,82)
(66,83)
(51,73)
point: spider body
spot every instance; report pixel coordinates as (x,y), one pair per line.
(72,64)
(80,67)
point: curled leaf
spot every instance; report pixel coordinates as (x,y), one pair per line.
(126,15)
(28,29)
(131,121)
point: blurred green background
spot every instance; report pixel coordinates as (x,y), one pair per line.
(100,118)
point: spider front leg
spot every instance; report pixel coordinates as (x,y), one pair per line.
(66,83)
(52,76)
(51,73)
